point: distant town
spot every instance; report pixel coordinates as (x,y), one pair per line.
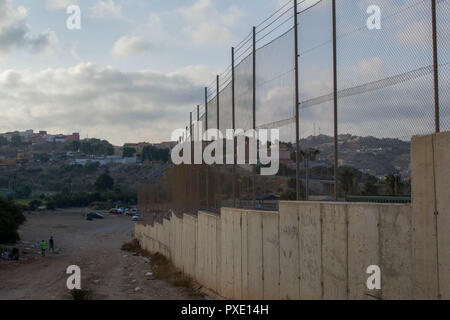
(21,147)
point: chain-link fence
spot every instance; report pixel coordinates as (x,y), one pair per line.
(346,98)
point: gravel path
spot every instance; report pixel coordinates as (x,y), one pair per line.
(92,245)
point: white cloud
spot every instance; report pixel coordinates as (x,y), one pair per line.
(370,69)
(55,5)
(201,23)
(107,103)
(205,23)
(15,32)
(107,9)
(128,46)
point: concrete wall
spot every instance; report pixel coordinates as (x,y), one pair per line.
(430,164)
(312,250)
(305,251)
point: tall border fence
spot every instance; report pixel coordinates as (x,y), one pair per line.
(343,95)
(322,250)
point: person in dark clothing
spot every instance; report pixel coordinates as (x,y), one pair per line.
(52,245)
(15,254)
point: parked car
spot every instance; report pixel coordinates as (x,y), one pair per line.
(135,218)
(114,211)
(131,212)
(94,215)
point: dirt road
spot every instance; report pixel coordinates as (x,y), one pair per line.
(94,246)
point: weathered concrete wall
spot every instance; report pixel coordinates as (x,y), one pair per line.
(305,251)
(312,250)
(430,159)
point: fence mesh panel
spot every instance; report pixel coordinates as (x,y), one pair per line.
(385,95)
(316,115)
(443,40)
(385,91)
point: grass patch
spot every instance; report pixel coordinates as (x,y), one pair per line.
(81,294)
(161,267)
(132,246)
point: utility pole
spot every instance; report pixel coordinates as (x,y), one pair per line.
(335,103)
(218,192)
(254,116)
(206,130)
(297,104)
(234,127)
(198,167)
(435,68)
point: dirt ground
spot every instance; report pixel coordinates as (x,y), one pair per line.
(94,246)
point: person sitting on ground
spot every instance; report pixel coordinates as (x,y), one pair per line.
(5,255)
(15,254)
(43,245)
(51,243)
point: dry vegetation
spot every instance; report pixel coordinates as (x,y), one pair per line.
(161,267)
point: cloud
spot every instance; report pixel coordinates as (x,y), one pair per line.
(205,23)
(107,9)
(128,46)
(15,33)
(55,5)
(106,103)
(199,24)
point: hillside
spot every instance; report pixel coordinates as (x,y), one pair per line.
(371,155)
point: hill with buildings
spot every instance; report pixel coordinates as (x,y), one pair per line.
(370,155)
(37,165)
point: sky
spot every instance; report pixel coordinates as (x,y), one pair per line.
(136,68)
(132,73)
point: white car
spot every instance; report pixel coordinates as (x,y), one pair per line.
(135,218)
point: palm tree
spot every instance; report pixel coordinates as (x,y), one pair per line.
(394,183)
(347,180)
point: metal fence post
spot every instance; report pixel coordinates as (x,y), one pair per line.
(191,171)
(218,193)
(254,116)
(234,127)
(197,166)
(435,67)
(335,100)
(206,129)
(297,105)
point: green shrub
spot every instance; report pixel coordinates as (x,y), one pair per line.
(289,195)
(11,217)
(81,294)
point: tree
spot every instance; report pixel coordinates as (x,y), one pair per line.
(91,167)
(3,141)
(370,189)
(11,217)
(73,146)
(128,152)
(16,141)
(104,182)
(394,184)
(34,205)
(96,147)
(348,179)
(151,153)
(288,195)
(24,192)
(41,157)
